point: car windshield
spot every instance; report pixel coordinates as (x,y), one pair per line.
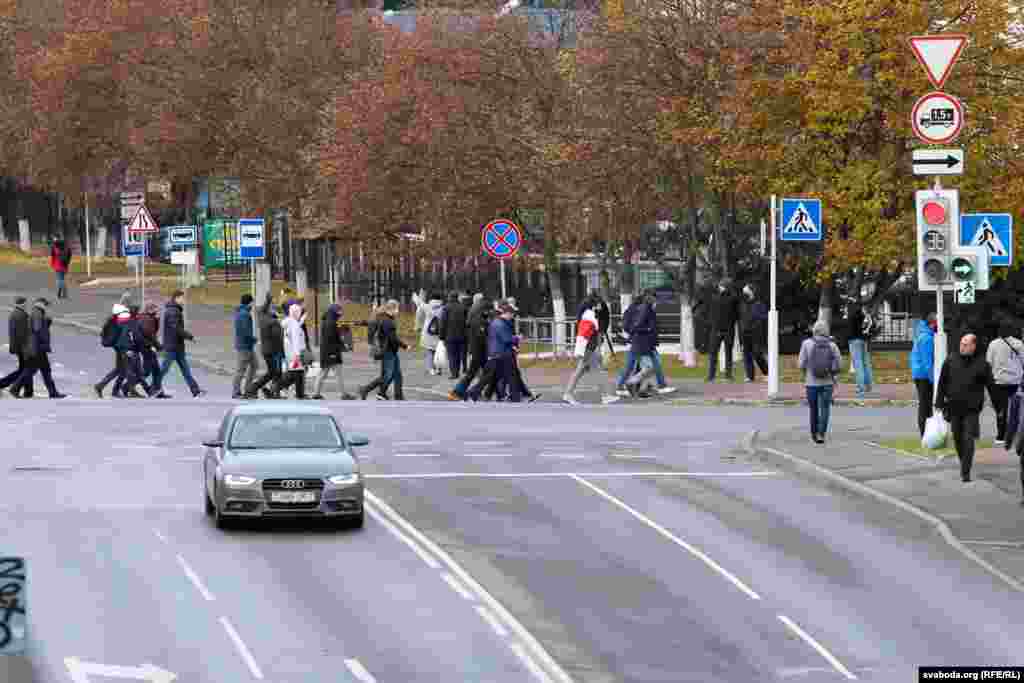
(285,431)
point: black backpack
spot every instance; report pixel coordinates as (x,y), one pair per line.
(434,328)
(108,335)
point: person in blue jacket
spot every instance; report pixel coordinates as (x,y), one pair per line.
(245,344)
(922,367)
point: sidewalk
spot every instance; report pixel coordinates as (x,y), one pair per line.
(984,519)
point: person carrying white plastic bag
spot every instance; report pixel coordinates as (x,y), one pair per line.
(587,352)
(440,357)
(936,432)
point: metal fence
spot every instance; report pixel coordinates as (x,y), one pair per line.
(548,336)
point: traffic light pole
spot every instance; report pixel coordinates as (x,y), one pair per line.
(940,333)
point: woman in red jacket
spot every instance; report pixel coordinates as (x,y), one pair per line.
(60,259)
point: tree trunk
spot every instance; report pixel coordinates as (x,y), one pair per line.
(554,273)
(825,303)
(687,335)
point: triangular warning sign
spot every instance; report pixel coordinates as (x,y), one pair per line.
(986,237)
(937,54)
(801,222)
(143,222)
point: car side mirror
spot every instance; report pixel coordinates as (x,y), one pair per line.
(357,440)
(213,443)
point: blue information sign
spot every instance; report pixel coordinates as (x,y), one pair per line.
(251,238)
(801,220)
(134,243)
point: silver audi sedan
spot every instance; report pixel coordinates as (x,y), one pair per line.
(282,460)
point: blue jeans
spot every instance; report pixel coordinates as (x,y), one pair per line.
(819,401)
(861,365)
(61,287)
(630,366)
(392,373)
(181,359)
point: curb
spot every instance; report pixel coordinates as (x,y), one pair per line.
(787,402)
(750,443)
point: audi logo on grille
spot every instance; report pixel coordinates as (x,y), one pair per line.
(293,484)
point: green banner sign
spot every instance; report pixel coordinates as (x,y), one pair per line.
(220,242)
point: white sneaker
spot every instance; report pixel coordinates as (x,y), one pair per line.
(611,399)
(666,390)
(622,392)
(570,399)
(998,442)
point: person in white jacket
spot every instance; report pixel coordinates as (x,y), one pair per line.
(430,314)
(294,346)
(1006,357)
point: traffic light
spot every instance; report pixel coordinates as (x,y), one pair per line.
(970,264)
(938,215)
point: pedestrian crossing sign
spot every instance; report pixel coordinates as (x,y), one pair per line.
(990,231)
(801,220)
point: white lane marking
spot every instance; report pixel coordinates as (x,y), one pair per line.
(359,671)
(489,618)
(405,444)
(535,650)
(836,664)
(456,586)
(564,456)
(417,455)
(672,537)
(524,475)
(194,578)
(484,444)
(80,671)
(488,455)
(422,554)
(58,365)
(537,672)
(160,535)
(242,649)
(632,456)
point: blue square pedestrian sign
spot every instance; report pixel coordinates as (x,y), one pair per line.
(993,231)
(801,220)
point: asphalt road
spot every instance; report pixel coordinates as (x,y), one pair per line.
(633,544)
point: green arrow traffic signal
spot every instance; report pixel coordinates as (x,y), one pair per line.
(962,269)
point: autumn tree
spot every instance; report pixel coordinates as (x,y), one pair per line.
(822,108)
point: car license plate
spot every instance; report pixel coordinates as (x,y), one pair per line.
(293,496)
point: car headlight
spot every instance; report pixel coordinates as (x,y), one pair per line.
(237,481)
(343,479)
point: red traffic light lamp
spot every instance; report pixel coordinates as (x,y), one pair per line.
(934,212)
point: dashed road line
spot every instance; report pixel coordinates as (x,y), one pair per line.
(456,586)
(565,456)
(359,671)
(818,647)
(494,623)
(412,444)
(484,444)
(250,661)
(196,581)
(721,571)
(488,455)
(159,535)
(422,554)
(416,455)
(632,456)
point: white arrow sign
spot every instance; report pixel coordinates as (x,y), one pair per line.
(80,671)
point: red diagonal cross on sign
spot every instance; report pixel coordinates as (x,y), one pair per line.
(501,239)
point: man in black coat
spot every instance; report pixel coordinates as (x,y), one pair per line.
(478,322)
(18,331)
(174,337)
(961,396)
(453,331)
(272,349)
(331,349)
(37,357)
(725,314)
(753,333)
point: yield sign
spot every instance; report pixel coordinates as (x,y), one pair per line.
(937,54)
